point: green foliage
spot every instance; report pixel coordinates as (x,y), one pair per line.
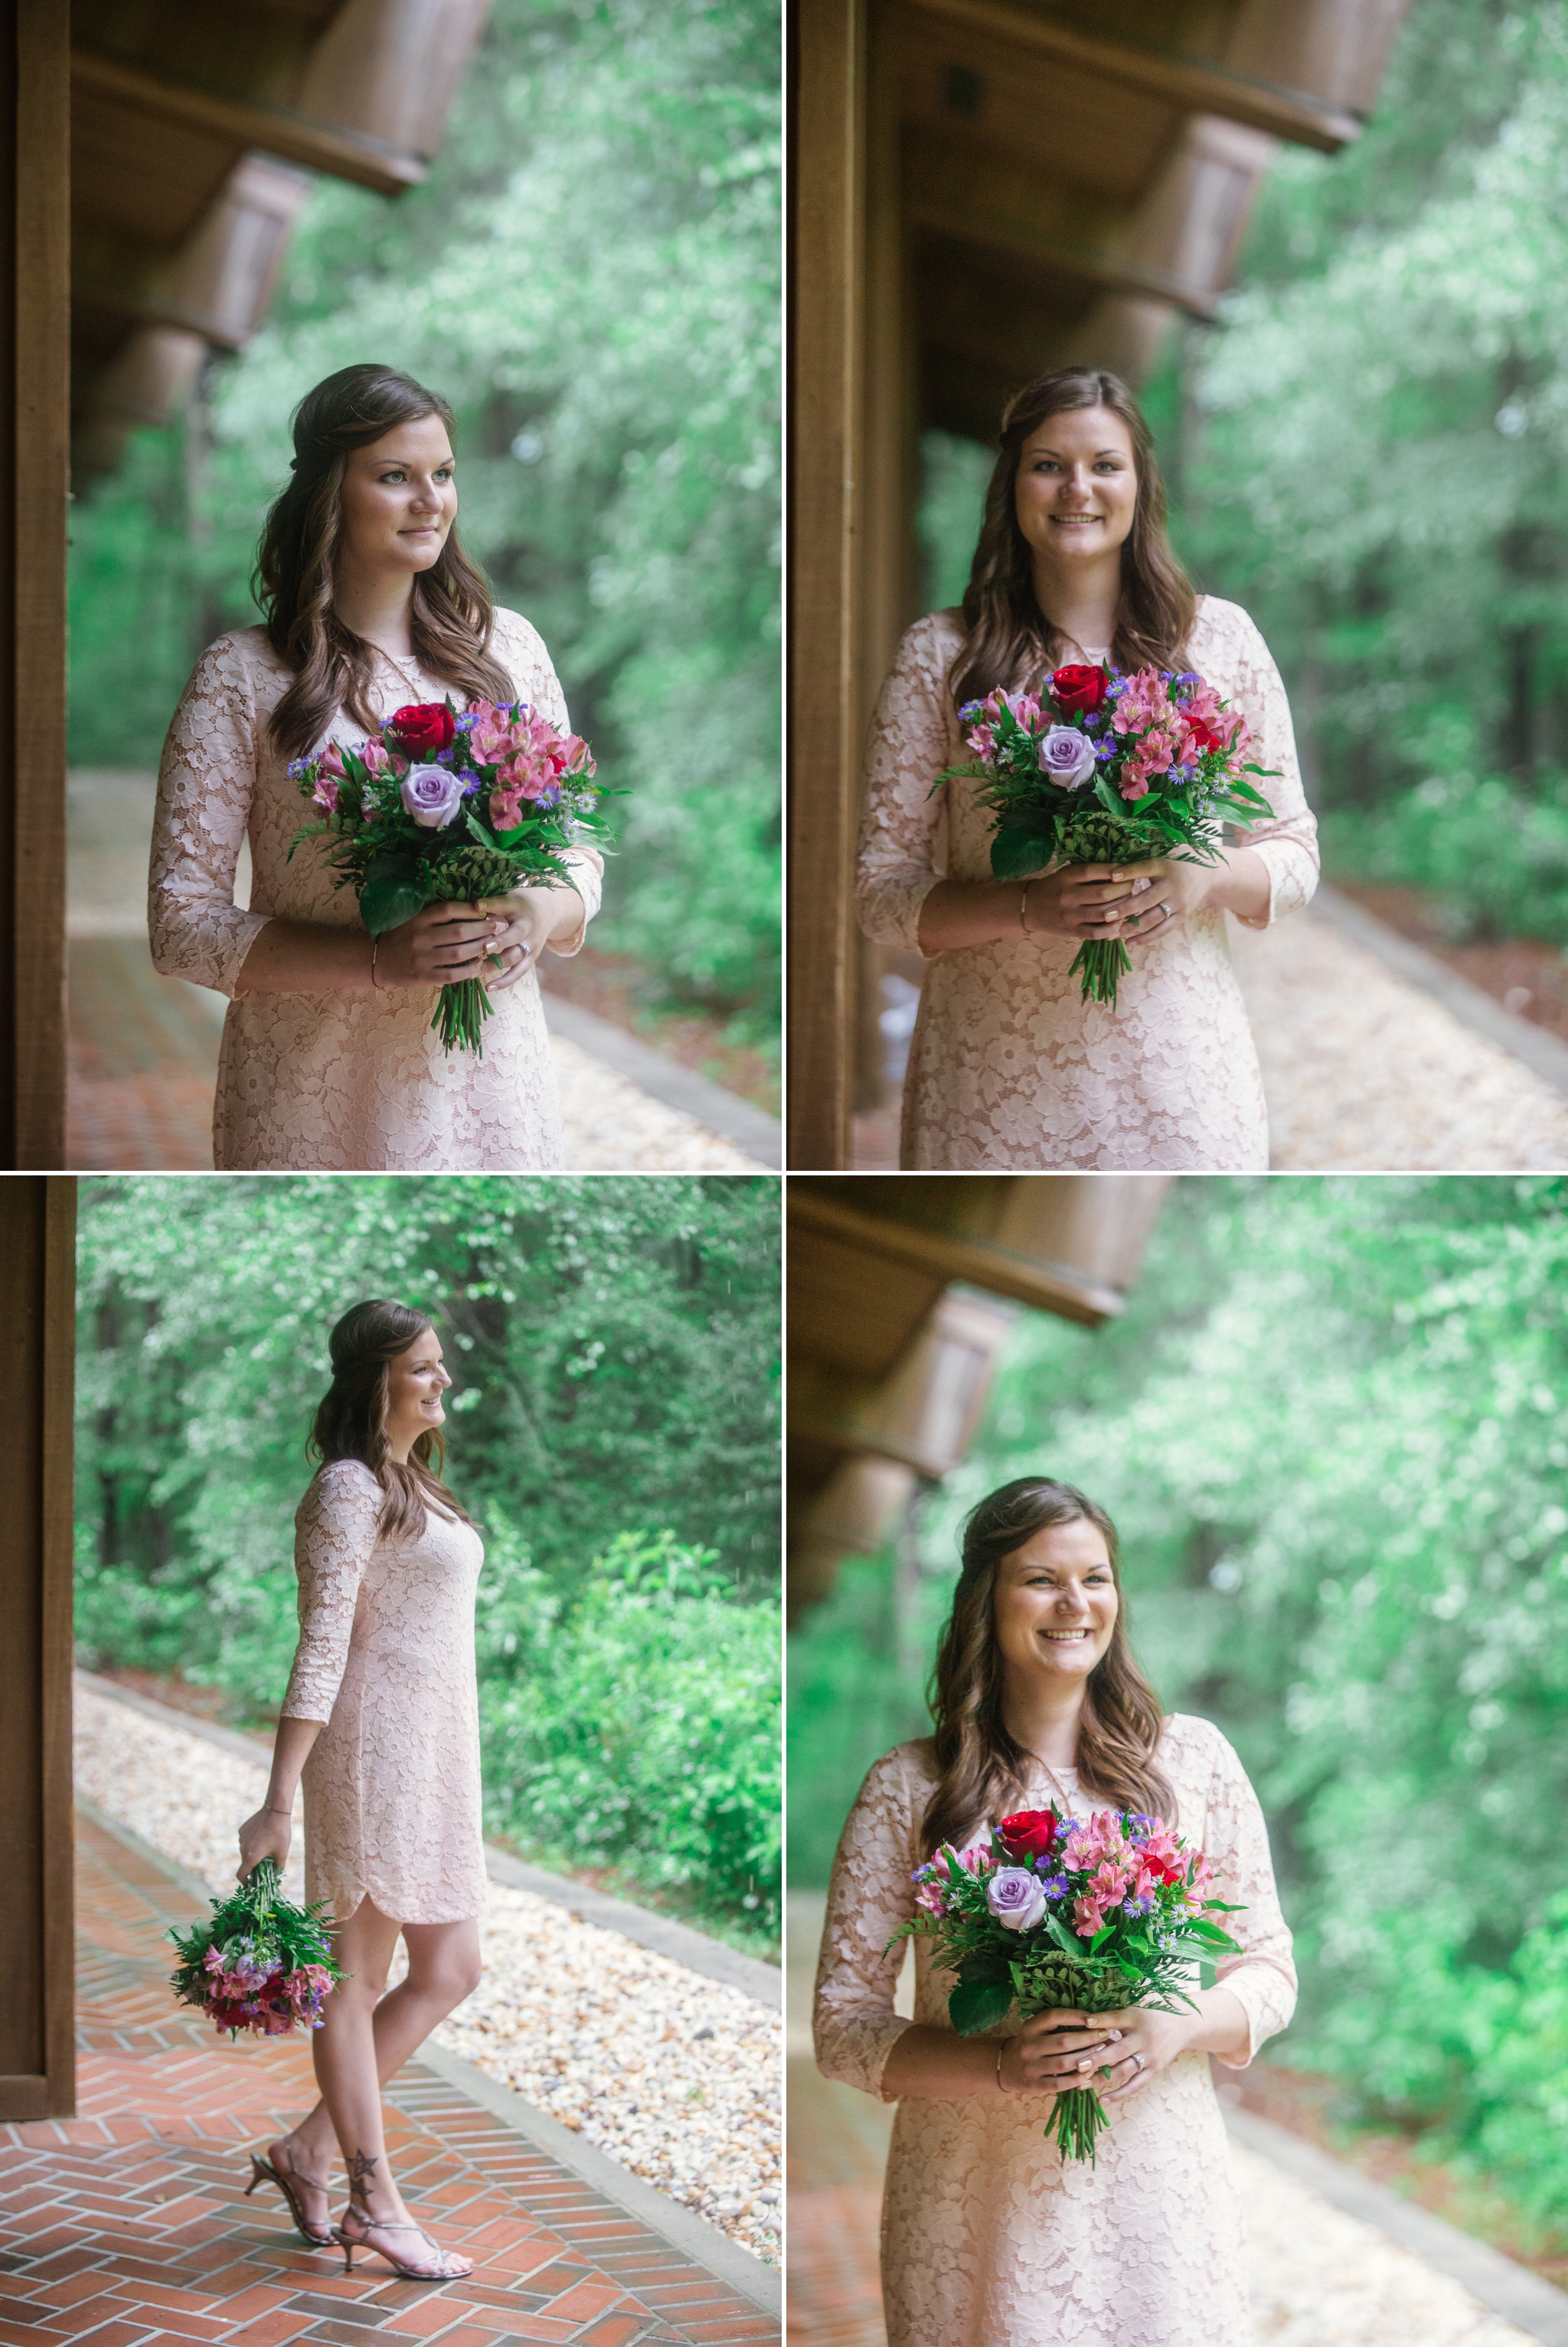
(614,1347)
(1370,453)
(590,275)
(1493,855)
(1331,1428)
(636,1725)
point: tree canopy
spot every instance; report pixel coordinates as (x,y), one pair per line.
(591,276)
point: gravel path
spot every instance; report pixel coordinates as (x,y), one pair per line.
(613,1126)
(1323,2278)
(1365,1072)
(672,2073)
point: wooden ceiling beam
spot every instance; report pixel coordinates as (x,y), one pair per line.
(276,129)
(1190,85)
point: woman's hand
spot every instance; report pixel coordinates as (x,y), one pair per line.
(269,1834)
(1084,900)
(1147,2043)
(439,947)
(525,930)
(1056,2050)
(1179,887)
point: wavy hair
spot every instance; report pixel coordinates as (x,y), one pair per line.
(452,615)
(351,1419)
(1009,641)
(981,1766)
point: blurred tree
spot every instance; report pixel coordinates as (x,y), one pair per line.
(1332,1432)
(591,275)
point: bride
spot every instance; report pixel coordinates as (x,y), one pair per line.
(1009,1067)
(328,1060)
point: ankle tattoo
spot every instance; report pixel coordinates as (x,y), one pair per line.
(361,2174)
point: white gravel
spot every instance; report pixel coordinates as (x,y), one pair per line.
(612,1126)
(1322,2279)
(674,2075)
(1364,1072)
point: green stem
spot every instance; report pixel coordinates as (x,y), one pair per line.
(460,1013)
(1102,961)
(1080,2119)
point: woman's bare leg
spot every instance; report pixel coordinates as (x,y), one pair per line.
(365,2039)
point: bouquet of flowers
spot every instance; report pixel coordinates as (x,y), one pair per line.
(1052,1913)
(1107,768)
(447,805)
(260,1963)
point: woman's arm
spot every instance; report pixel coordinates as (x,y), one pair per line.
(270,1833)
(1080,900)
(440,946)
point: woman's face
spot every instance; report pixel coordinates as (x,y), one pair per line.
(415,1381)
(1055,1607)
(399,499)
(1077,485)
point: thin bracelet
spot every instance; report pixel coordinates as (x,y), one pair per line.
(374,949)
(272,1812)
(1001,2049)
(1023,909)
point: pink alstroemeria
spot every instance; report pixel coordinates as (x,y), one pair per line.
(378,760)
(1087,1918)
(325,791)
(491,734)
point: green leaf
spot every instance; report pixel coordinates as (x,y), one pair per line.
(1016,854)
(386,904)
(978,2005)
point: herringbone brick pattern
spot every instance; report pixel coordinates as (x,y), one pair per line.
(127,2224)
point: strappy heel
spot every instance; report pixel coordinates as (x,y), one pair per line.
(447,2268)
(263,2172)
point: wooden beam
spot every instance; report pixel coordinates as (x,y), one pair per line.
(276,129)
(1005,1271)
(37,1294)
(1195,86)
(827,339)
(35,361)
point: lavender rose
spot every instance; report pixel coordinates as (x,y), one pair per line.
(1067,756)
(432,795)
(1016,1897)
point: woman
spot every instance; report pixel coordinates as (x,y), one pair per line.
(986,2237)
(1008,1066)
(328,1060)
(382,1718)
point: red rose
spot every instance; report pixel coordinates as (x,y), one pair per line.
(1029,1833)
(1078,690)
(423,728)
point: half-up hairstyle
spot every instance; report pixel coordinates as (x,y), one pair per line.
(451,617)
(351,1422)
(1009,641)
(981,1766)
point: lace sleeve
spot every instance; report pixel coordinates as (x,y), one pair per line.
(909,747)
(520,648)
(871,1894)
(1289,845)
(1263,1975)
(204,787)
(336,1529)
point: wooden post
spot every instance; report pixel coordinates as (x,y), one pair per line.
(37,1295)
(34,114)
(829,88)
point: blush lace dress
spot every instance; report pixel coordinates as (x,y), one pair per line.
(986,2240)
(385,1658)
(350,1079)
(1009,1067)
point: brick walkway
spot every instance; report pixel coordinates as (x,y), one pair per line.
(839,2149)
(128,2224)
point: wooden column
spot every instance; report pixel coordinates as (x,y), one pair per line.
(34,114)
(828,229)
(37,1292)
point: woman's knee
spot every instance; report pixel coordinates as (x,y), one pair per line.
(445,1974)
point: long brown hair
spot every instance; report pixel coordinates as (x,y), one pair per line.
(1009,641)
(981,1764)
(452,615)
(351,1421)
